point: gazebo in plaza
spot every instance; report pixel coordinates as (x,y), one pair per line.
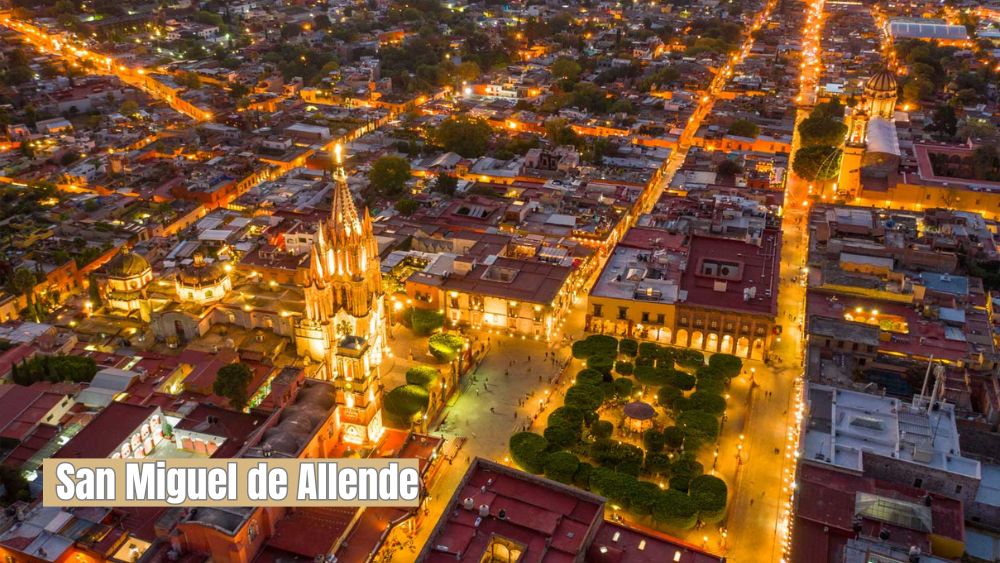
(639,416)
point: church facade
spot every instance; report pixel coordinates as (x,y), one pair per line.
(343,325)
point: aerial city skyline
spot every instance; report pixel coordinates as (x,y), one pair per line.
(689,281)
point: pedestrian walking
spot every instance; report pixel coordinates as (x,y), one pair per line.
(493,410)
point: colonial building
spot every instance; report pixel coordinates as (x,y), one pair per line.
(872,147)
(122,283)
(344,324)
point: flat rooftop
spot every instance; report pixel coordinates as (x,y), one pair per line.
(843,424)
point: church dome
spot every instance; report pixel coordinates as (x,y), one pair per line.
(127,264)
(201,273)
(882,81)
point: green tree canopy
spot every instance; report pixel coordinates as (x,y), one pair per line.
(404,404)
(467,136)
(232,382)
(389,175)
(817,163)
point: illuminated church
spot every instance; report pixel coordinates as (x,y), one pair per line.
(343,325)
(871,152)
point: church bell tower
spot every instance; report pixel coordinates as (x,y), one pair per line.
(344,322)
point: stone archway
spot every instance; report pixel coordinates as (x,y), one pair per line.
(682,338)
(757,352)
(697,340)
(712,342)
(743,347)
(727,344)
(663,335)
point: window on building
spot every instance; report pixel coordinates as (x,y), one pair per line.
(958,489)
(598,310)
(659,318)
(622,313)
(918,482)
(683,321)
(699,323)
(645,317)
(454,302)
(714,325)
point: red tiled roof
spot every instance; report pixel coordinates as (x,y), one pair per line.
(22,408)
(311,530)
(825,514)
(111,427)
(760,269)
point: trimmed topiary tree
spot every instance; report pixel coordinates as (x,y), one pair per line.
(728,365)
(584,397)
(675,511)
(624,368)
(581,478)
(669,397)
(658,463)
(595,345)
(560,436)
(622,387)
(690,358)
(528,450)
(404,404)
(681,380)
(424,321)
(589,376)
(652,440)
(673,437)
(568,416)
(424,376)
(603,364)
(709,494)
(628,347)
(602,430)
(701,421)
(704,401)
(625,458)
(445,347)
(561,466)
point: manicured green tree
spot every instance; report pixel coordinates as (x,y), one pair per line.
(673,437)
(232,381)
(622,387)
(602,430)
(405,404)
(708,402)
(589,376)
(690,358)
(624,368)
(625,458)
(424,321)
(424,376)
(658,463)
(654,376)
(585,397)
(728,365)
(389,175)
(603,364)
(628,347)
(709,494)
(561,466)
(652,440)
(649,350)
(643,497)
(595,345)
(701,421)
(669,397)
(711,382)
(528,450)
(560,436)
(581,478)
(569,416)
(675,511)
(681,380)
(445,347)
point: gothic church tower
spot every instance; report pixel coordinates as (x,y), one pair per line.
(344,325)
